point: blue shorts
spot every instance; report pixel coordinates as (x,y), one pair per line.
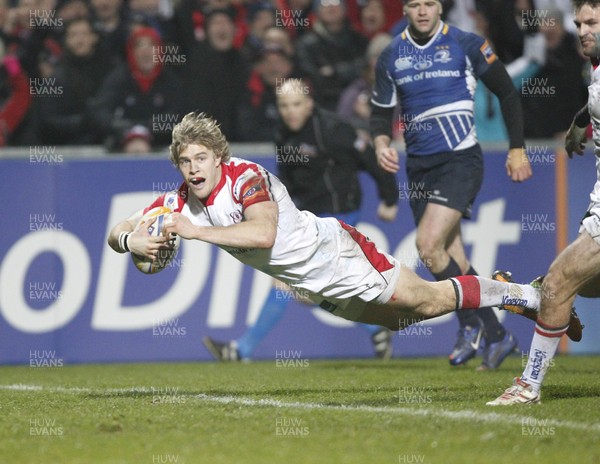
(450,179)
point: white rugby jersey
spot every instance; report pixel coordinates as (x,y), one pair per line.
(244,183)
(594,110)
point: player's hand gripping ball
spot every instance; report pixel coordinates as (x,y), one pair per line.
(165,254)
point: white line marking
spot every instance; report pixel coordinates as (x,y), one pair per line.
(461,415)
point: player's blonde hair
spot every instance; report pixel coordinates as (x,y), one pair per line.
(200,129)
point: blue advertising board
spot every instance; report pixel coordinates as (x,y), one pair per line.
(64,291)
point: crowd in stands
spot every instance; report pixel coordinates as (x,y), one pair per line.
(121,73)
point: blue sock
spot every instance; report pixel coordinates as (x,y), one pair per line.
(270,314)
(372,329)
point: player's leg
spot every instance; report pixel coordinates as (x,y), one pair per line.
(270,314)
(499,343)
(381,337)
(591,288)
(415,299)
(573,270)
(440,244)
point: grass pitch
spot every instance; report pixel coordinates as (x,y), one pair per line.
(350,411)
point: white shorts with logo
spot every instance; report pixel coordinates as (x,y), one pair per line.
(347,271)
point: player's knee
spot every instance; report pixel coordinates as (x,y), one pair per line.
(428,246)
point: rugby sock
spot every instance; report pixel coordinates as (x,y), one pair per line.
(465,318)
(494,331)
(474,292)
(270,314)
(543,348)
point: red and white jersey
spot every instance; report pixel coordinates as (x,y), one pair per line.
(594,110)
(330,260)
(244,183)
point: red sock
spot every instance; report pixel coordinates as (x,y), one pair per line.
(468,292)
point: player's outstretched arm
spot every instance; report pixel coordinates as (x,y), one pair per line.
(127,226)
(124,237)
(257,230)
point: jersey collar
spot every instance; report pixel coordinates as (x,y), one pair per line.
(443,27)
(210,200)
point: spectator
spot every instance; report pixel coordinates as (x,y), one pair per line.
(488,112)
(216,74)
(372,18)
(66,120)
(507,30)
(558,90)
(261,16)
(190,21)
(354,104)
(15,97)
(279,37)
(258,114)
(295,16)
(332,55)
(42,46)
(461,14)
(157,14)
(136,93)
(112,24)
(138,141)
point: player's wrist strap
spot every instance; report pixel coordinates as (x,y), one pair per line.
(123,236)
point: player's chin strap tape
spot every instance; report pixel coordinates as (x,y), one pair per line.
(123,236)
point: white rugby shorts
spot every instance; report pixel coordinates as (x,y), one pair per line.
(347,271)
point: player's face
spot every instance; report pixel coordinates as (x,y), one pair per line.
(423,17)
(587,20)
(200,169)
(294,108)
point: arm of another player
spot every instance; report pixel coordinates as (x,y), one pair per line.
(383,103)
(125,237)
(387,156)
(499,82)
(365,156)
(575,139)
(258,230)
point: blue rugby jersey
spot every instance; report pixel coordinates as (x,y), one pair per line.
(434,85)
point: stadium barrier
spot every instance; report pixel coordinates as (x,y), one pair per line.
(65,297)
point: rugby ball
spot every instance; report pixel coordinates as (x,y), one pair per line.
(165,254)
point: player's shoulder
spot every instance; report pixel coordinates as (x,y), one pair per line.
(463,38)
(239,168)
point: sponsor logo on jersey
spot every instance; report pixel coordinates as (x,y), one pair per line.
(442,56)
(236,217)
(487,52)
(403,63)
(422,65)
(252,191)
